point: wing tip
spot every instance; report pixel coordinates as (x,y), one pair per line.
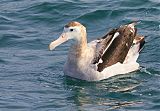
(134,22)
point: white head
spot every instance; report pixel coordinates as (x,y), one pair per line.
(73,30)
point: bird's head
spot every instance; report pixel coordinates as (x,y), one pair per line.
(73,30)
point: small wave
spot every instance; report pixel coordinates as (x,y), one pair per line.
(41,7)
(2,61)
(45,12)
(5,19)
(8,40)
(8,37)
(98,14)
(117,13)
(155,107)
(156,1)
(150,71)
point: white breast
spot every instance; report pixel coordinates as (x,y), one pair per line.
(81,68)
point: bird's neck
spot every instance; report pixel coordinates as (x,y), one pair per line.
(81,46)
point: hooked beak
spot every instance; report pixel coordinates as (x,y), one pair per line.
(57,42)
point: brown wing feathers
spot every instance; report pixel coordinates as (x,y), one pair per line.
(119,48)
(102,45)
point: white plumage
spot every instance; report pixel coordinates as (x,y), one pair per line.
(81,55)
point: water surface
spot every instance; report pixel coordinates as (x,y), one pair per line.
(31,77)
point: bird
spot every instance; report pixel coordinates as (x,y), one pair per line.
(113,54)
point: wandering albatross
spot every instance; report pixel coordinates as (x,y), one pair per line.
(113,54)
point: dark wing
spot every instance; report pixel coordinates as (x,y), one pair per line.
(114,46)
(102,45)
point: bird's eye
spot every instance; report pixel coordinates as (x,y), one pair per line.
(71,30)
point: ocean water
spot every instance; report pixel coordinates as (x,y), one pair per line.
(31,77)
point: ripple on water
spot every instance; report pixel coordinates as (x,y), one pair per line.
(114,93)
(8,40)
(31,77)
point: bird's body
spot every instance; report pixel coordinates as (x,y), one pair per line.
(115,53)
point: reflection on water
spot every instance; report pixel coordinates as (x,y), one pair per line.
(116,92)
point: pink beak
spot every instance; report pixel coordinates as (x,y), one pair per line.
(57,42)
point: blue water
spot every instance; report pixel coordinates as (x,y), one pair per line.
(31,77)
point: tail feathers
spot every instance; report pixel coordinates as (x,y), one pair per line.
(139,39)
(142,42)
